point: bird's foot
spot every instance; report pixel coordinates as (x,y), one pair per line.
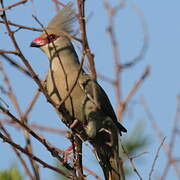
(67,153)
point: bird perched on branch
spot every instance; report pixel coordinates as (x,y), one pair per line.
(82,98)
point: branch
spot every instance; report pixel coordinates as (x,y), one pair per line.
(144,48)
(13,98)
(40,139)
(111,12)
(156,157)
(137,84)
(13,5)
(25,151)
(36,126)
(16,65)
(18,154)
(22,26)
(160,135)
(131,161)
(170,159)
(8,52)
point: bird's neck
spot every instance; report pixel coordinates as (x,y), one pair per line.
(63,57)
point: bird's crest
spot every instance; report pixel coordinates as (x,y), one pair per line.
(62,22)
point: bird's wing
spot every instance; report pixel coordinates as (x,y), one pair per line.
(87,84)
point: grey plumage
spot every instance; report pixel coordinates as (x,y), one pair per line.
(99,123)
(63,21)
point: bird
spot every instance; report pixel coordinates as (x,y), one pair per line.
(87,102)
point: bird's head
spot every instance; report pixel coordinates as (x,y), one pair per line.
(55,31)
(44,39)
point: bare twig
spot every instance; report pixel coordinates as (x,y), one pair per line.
(18,154)
(13,98)
(144,48)
(25,151)
(123,104)
(8,52)
(15,64)
(36,136)
(22,26)
(170,159)
(31,104)
(86,49)
(13,5)
(36,126)
(159,134)
(131,161)
(112,11)
(155,159)
(107,79)
(58,3)
(79,166)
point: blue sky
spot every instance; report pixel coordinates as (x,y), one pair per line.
(160,88)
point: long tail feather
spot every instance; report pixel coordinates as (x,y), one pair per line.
(107,153)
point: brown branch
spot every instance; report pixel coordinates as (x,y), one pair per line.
(8,52)
(36,126)
(137,84)
(86,49)
(160,135)
(155,159)
(92,173)
(79,167)
(26,63)
(106,79)
(10,92)
(16,65)
(24,60)
(111,12)
(59,3)
(13,98)
(131,161)
(13,5)
(30,155)
(31,104)
(22,26)
(36,136)
(144,48)
(18,154)
(170,159)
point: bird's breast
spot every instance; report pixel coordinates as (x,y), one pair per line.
(58,87)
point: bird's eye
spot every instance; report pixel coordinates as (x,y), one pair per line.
(52,37)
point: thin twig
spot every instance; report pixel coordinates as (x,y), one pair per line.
(155,159)
(25,151)
(13,5)
(170,159)
(8,52)
(15,64)
(123,104)
(79,167)
(22,26)
(159,134)
(31,104)
(144,48)
(36,136)
(36,126)
(111,12)
(106,79)
(131,161)
(13,98)
(59,3)
(18,154)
